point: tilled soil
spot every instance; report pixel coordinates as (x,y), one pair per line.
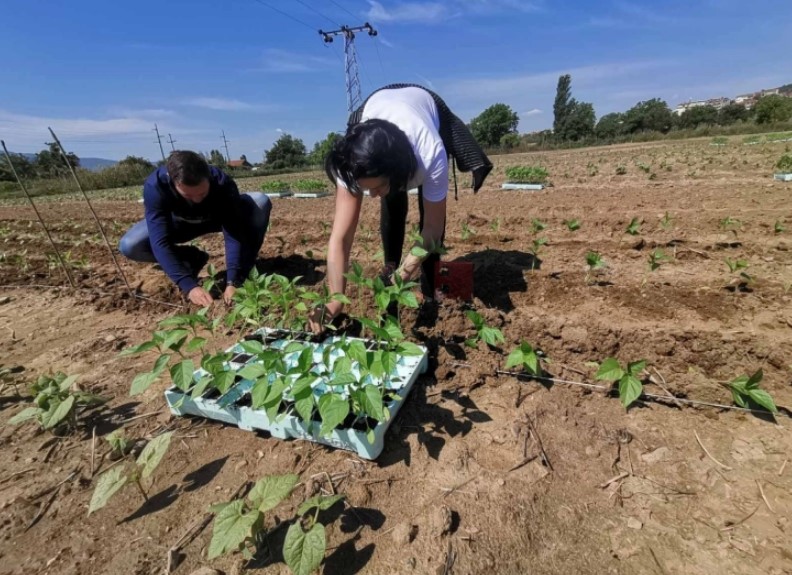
(482,472)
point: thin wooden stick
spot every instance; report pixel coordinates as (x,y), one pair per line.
(43,509)
(663,387)
(10,477)
(136,417)
(743,520)
(761,492)
(38,215)
(726,467)
(614,479)
(783,465)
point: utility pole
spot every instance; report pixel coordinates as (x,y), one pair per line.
(350,59)
(225,143)
(171,141)
(159,141)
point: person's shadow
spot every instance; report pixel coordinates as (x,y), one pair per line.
(497,273)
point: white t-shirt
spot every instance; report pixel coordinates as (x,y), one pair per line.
(414,112)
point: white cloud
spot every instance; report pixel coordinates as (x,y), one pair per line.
(35,127)
(279,130)
(534,112)
(385,42)
(420,12)
(282,61)
(221,104)
(489,6)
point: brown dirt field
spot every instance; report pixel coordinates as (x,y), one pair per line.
(447,494)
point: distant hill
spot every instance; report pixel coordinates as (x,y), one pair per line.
(93,164)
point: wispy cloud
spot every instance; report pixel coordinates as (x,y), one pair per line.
(420,12)
(220,104)
(534,112)
(279,61)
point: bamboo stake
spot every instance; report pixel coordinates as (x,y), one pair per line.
(96,218)
(38,215)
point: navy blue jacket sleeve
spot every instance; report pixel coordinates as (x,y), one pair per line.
(160,228)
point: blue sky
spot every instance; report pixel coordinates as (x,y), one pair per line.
(103,73)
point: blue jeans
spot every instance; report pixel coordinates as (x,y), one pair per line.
(136,246)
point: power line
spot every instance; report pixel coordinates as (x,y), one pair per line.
(320,14)
(285,14)
(344,9)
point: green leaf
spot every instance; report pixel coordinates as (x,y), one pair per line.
(174,339)
(161,363)
(471,342)
(57,413)
(223,381)
(418,252)
(323,502)
(630,389)
(610,370)
(197,343)
(201,385)
(636,367)
(145,346)
(382,299)
(152,454)
(409,348)
(252,346)
(142,382)
(252,371)
(763,398)
(492,335)
(333,409)
(66,384)
(475,318)
(269,491)
(304,552)
(408,299)
(182,374)
(107,486)
(231,528)
(25,414)
(738,397)
(372,402)
(753,381)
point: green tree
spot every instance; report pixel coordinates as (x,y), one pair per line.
(650,115)
(49,163)
(610,125)
(493,123)
(510,140)
(287,152)
(22,165)
(733,113)
(322,148)
(580,122)
(217,159)
(773,108)
(697,116)
(137,162)
(563,105)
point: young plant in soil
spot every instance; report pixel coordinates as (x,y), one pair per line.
(535,248)
(572,225)
(745,390)
(179,337)
(57,401)
(525,358)
(8,377)
(784,164)
(492,336)
(467,231)
(309,185)
(630,386)
(240,525)
(729,224)
(594,262)
(274,186)
(114,479)
(657,258)
(634,227)
(666,221)
(778,227)
(526,175)
(537,226)
(739,266)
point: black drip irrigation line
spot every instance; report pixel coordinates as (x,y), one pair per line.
(643,395)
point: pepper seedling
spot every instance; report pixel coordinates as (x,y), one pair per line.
(745,389)
(630,386)
(526,358)
(492,336)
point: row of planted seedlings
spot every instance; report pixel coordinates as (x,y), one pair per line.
(339,390)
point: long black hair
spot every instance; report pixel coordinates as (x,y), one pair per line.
(371,149)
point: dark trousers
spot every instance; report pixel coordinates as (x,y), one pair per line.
(393,221)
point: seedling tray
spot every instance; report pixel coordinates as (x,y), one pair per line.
(783,177)
(283,194)
(508,186)
(311,194)
(234,406)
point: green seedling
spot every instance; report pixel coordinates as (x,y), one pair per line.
(665,221)
(309,185)
(729,224)
(634,227)
(594,262)
(537,226)
(8,377)
(114,479)
(593,169)
(525,358)
(745,390)
(657,258)
(630,386)
(179,337)
(495,225)
(211,282)
(119,444)
(621,170)
(274,186)
(57,401)
(778,227)
(784,164)
(535,249)
(736,265)
(467,231)
(239,525)
(492,336)
(644,167)
(572,225)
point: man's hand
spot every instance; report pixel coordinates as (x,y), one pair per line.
(199,296)
(228,294)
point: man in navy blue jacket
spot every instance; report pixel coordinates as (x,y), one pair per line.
(186,199)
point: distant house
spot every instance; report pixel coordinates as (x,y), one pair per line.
(241,163)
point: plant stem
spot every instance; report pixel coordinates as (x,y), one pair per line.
(140,488)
